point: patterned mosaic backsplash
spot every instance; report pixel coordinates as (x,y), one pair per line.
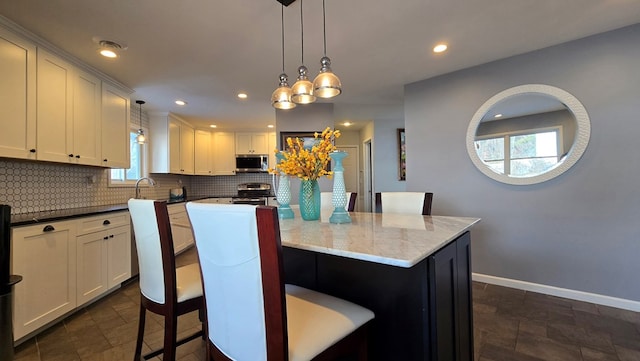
(39,186)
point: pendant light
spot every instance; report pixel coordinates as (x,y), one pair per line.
(281,97)
(302,90)
(326,84)
(140,138)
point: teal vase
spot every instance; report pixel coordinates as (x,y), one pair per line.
(309,200)
(339,198)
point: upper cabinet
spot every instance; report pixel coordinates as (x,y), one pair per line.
(172,145)
(202,160)
(17,97)
(68,108)
(224,157)
(115,127)
(272,146)
(252,143)
(52,110)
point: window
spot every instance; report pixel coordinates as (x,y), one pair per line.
(521,154)
(138,165)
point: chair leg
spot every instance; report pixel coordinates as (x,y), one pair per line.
(141,322)
(170,334)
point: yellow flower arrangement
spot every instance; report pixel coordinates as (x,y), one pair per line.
(308,163)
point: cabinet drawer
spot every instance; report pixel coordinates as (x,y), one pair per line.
(102,222)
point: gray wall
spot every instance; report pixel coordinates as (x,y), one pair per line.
(578,231)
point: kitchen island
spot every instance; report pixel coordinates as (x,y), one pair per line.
(412,271)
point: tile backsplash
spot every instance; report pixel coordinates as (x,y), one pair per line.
(29,186)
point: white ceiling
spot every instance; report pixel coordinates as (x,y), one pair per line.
(206,51)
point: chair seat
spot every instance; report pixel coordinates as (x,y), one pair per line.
(316,321)
(188,282)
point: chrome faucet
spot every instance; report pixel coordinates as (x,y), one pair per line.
(151,183)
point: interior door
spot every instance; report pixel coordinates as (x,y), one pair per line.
(351,164)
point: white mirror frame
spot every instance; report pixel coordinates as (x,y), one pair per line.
(583,132)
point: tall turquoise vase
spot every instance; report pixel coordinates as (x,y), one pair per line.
(309,200)
(339,197)
(283,193)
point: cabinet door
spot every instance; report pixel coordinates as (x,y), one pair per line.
(17,97)
(224,156)
(115,127)
(243,143)
(87,142)
(202,153)
(55,102)
(174,147)
(118,255)
(260,143)
(92,266)
(186,149)
(45,256)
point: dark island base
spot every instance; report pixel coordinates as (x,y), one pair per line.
(422,312)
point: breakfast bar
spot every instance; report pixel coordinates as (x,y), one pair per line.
(412,271)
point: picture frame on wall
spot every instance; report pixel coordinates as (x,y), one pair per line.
(307,138)
(402,155)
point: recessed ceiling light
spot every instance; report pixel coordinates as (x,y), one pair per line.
(440,48)
(497,116)
(242,95)
(181,102)
(347,124)
(270,126)
(108,48)
(213,126)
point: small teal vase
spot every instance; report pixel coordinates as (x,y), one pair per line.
(309,200)
(283,193)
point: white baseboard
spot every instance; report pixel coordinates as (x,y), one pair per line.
(559,292)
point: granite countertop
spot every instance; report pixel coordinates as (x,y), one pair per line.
(401,240)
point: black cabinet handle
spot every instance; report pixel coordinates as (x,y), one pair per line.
(105,160)
(111,236)
(32,150)
(70,155)
(105,237)
(78,156)
(48,228)
(106,222)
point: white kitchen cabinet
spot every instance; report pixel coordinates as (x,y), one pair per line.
(115,127)
(224,155)
(202,158)
(68,104)
(172,144)
(180,227)
(103,254)
(45,256)
(252,143)
(17,97)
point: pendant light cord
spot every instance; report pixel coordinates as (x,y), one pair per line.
(302,33)
(282,23)
(324,27)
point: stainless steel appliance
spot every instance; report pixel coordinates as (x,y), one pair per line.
(252,193)
(252,163)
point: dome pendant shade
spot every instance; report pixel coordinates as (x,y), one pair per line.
(326,84)
(302,90)
(281,97)
(140,139)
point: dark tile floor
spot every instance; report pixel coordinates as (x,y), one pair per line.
(509,325)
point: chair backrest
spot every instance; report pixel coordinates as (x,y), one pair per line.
(404,202)
(154,243)
(241,262)
(326,200)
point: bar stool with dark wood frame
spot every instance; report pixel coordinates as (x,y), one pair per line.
(404,202)
(251,314)
(164,290)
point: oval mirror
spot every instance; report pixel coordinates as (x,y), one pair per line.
(528,134)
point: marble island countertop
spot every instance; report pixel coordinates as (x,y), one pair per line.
(394,239)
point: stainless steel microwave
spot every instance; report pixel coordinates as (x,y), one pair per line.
(252,163)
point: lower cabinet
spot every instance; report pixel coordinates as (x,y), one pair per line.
(66,264)
(180,227)
(45,256)
(103,257)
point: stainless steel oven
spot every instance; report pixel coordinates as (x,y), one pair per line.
(252,193)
